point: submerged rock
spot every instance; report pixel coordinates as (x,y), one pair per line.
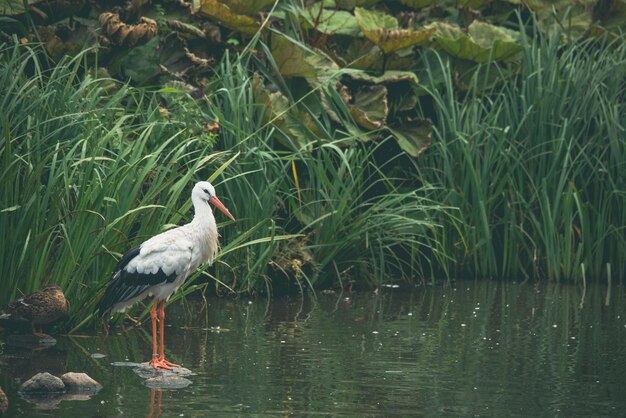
(167,382)
(146,371)
(4,402)
(163,378)
(47,391)
(43,383)
(80,383)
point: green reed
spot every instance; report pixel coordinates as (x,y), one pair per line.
(322,195)
(252,184)
(535,163)
(361,226)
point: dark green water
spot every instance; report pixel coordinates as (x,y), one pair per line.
(480,349)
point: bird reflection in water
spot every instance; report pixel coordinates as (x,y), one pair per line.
(156,395)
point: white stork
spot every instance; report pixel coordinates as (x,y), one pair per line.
(159,266)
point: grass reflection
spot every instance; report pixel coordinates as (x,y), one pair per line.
(478,348)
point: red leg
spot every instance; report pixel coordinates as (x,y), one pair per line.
(162,331)
(156,404)
(151,411)
(153,315)
(160,362)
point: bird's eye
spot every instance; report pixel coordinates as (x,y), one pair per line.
(206,191)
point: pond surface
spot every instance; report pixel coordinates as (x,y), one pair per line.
(474,349)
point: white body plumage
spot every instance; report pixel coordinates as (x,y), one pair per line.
(160,265)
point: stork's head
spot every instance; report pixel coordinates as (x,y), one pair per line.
(204,191)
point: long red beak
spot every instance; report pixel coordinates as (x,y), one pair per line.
(216,202)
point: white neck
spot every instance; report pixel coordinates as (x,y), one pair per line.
(203,213)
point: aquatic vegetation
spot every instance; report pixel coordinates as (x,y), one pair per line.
(535,163)
(478,346)
(339,215)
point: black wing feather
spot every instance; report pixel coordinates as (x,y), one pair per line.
(128,255)
(124,286)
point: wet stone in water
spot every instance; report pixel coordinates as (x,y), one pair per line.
(80,383)
(167,382)
(146,371)
(43,383)
(4,402)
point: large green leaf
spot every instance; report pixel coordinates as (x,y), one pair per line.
(282,114)
(227,17)
(386,77)
(482,43)
(297,60)
(413,135)
(384,30)
(247,7)
(488,36)
(331,22)
(15,7)
(369,106)
(362,54)
(371,98)
(357,53)
(141,63)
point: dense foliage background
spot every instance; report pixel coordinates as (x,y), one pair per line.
(358,143)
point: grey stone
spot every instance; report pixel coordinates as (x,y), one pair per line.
(145,370)
(167,382)
(43,383)
(4,402)
(80,383)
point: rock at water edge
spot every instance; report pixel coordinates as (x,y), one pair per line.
(145,370)
(43,383)
(4,403)
(80,383)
